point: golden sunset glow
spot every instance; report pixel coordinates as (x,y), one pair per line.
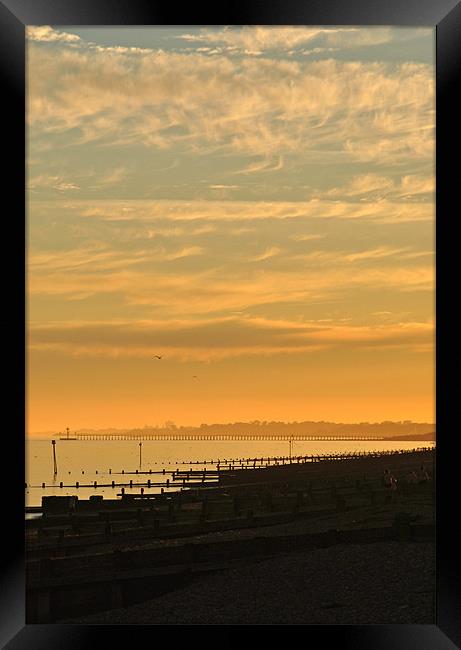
(254,205)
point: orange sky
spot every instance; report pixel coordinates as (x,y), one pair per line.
(254,205)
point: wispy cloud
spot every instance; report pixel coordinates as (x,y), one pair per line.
(273,251)
(375,253)
(46,181)
(383,211)
(359,111)
(373,187)
(90,259)
(49,34)
(255,40)
(224,187)
(262,166)
(306,237)
(191,251)
(113,176)
(220,289)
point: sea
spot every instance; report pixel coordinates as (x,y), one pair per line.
(104,461)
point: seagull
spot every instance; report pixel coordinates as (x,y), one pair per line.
(156,356)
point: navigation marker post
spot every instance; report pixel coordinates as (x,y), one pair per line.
(55,466)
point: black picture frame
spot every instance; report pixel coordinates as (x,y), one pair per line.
(445,16)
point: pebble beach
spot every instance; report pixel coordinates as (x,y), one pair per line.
(350,584)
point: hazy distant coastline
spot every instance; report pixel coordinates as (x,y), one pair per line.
(406,430)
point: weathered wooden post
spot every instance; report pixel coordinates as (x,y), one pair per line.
(140,517)
(43,602)
(116,595)
(269,501)
(55,465)
(108,526)
(340,503)
(402,526)
(204,511)
(299,500)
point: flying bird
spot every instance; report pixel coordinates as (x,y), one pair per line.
(156,356)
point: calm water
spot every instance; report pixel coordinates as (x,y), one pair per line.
(87,461)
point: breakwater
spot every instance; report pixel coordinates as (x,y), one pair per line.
(220,470)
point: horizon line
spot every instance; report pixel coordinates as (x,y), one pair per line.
(239,422)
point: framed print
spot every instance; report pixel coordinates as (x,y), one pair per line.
(221,323)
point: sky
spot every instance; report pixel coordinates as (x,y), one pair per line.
(253,204)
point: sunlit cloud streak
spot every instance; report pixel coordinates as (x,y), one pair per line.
(221,338)
(384,211)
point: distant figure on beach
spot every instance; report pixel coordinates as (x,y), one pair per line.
(423,476)
(389,480)
(411,478)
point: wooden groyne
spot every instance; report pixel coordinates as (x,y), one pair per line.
(223,469)
(236,491)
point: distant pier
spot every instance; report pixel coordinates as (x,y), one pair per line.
(285,437)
